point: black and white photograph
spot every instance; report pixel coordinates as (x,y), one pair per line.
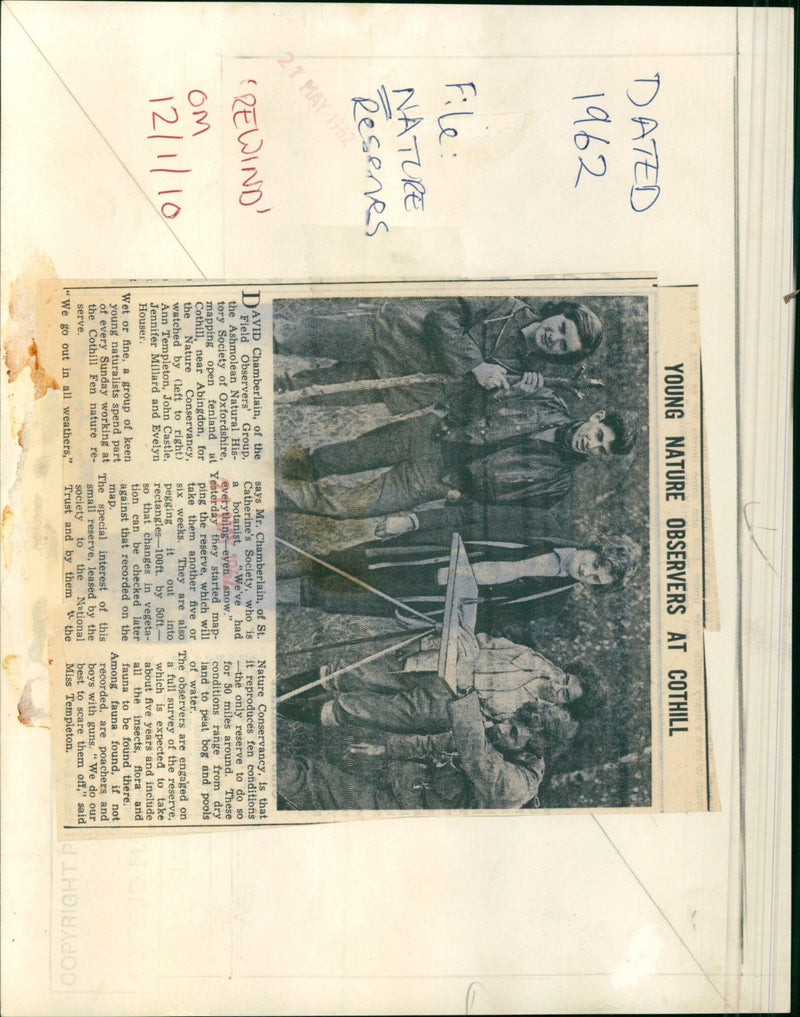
(462,552)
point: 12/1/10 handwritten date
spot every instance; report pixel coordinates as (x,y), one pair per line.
(165,124)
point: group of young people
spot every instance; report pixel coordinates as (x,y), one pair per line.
(492,458)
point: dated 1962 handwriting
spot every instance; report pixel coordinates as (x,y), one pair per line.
(645,188)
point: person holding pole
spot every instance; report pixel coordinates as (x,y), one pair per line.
(517,579)
(492,343)
(525,455)
(411,698)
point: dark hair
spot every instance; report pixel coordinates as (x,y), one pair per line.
(594,693)
(625,425)
(588,325)
(619,554)
(551,726)
(552,732)
(530,754)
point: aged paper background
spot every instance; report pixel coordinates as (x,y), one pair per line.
(576,913)
(162,687)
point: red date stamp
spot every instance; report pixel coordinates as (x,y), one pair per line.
(316,99)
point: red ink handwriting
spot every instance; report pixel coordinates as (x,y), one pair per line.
(245,120)
(167,126)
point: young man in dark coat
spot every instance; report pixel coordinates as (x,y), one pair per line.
(523,451)
(491,342)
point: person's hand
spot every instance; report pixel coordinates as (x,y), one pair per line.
(490,376)
(468,648)
(530,382)
(465,664)
(547,669)
(394,526)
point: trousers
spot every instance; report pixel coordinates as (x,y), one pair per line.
(421,708)
(408,449)
(312,783)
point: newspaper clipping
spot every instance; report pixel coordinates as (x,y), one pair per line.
(337,552)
